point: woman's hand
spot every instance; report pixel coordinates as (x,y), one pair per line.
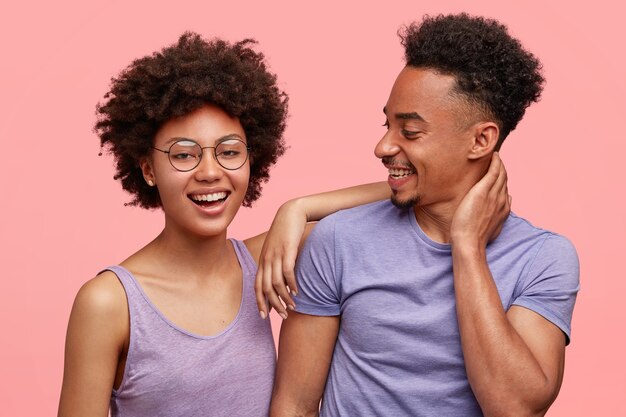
(275,278)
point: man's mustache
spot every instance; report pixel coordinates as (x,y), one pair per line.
(387,160)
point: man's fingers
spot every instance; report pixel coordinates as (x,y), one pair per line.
(498,190)
(487,182)
(494,167)
(503,177)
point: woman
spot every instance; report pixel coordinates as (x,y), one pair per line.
(174,330)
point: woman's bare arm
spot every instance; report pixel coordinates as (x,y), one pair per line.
(276,250)
(96,337)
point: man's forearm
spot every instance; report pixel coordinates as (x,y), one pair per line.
(504,374)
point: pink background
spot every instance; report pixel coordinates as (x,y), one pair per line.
(63,218)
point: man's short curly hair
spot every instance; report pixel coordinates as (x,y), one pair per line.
(178,80)
(492,69)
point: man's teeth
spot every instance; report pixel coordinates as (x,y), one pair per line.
(208,197)
(400,173)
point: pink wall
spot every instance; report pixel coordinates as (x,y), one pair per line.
(62,216)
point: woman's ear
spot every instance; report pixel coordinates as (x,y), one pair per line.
(485,139)
(148,172)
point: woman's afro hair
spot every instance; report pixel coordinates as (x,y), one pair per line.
(492,69)
(178,80)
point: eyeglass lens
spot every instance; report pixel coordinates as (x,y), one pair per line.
(185,155)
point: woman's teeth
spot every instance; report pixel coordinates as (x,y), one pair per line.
(208,197)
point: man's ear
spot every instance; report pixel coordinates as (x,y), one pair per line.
(148,172)
(484,140)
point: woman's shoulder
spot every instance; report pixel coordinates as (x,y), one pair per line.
(254,245)
(101,297)
(99,321)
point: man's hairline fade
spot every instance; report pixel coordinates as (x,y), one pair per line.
(418,38)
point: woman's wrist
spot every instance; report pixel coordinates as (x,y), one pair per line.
(295,207)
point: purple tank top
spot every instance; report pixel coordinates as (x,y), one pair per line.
(172,372)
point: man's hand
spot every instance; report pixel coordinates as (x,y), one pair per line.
(482,212)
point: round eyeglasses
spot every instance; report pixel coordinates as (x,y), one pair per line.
(186,154)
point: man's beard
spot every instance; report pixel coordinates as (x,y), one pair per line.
(405,204)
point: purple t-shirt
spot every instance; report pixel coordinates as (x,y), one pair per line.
(398,351)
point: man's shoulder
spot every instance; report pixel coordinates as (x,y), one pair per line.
(364,214)
(359,222)
(521,225)
(519,231)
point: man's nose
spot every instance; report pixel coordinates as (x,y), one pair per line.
(386,146)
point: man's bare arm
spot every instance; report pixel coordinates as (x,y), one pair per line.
(304,353)
(514,360)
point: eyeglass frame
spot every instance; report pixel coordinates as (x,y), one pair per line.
(202,148)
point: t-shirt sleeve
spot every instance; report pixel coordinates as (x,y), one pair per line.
(552,283)
(318,291)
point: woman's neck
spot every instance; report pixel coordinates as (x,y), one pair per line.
(183,254)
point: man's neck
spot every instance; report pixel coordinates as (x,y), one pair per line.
(435,220)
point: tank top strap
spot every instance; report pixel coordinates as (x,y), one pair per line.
(248,269)
(137,303)
(248,265)
(130,284)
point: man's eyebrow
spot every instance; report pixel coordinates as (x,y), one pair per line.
(407,116)
(410,116)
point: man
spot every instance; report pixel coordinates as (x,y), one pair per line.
(442,303)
